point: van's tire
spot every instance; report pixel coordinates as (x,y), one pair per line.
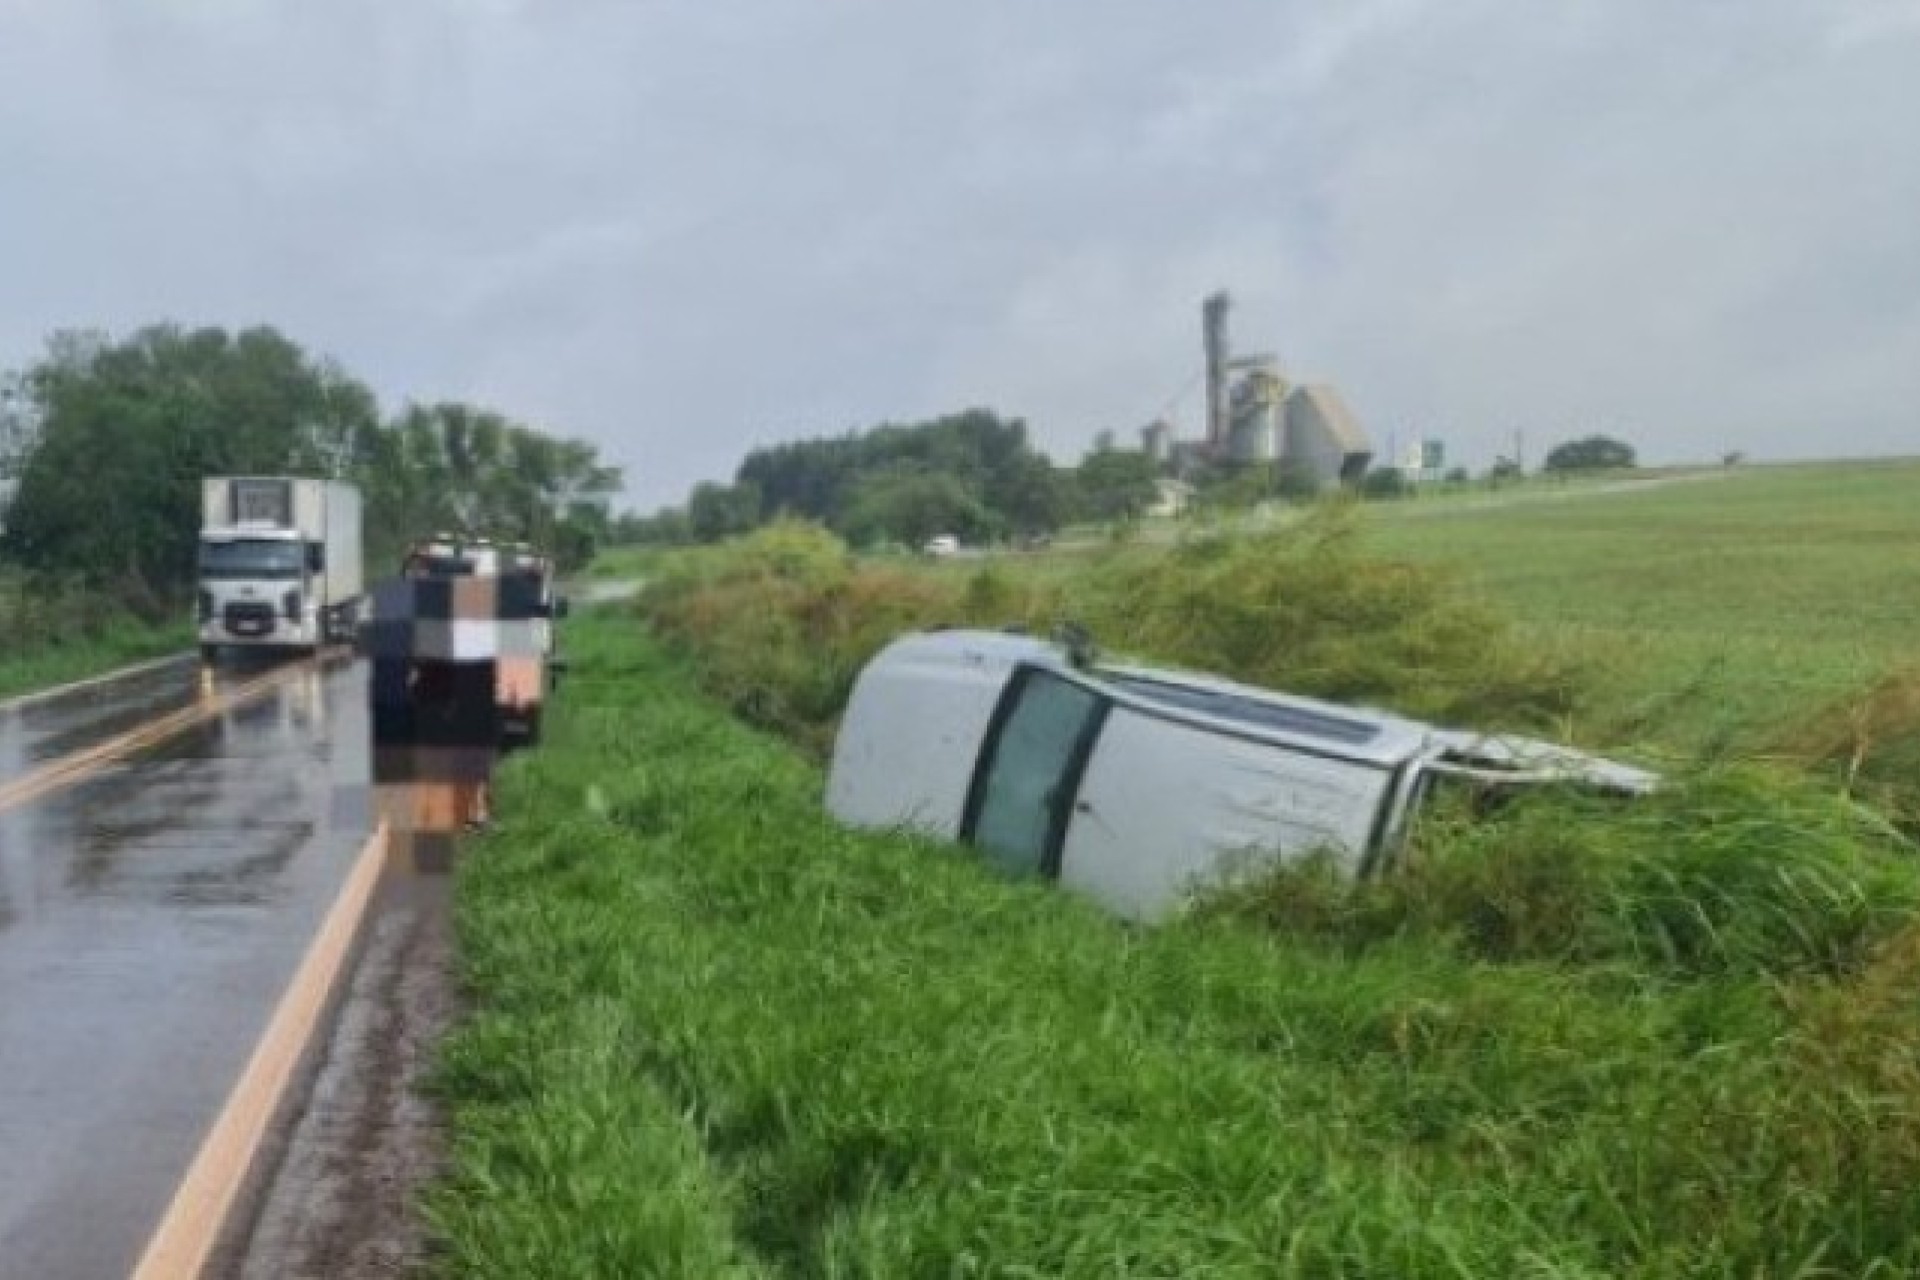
(341,625)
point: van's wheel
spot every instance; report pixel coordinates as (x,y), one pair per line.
(343,624)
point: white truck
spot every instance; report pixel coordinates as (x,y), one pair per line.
(280,563)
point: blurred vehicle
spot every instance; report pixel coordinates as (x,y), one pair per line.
(509,626)
(942,546)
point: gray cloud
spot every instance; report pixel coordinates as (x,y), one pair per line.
(680,229)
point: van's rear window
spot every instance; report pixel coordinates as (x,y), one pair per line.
(441,566)
(1250,711)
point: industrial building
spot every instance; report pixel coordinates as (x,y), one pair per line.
(1254,415)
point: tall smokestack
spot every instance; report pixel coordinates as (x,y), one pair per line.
(1213,325)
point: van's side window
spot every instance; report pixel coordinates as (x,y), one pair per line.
(1020,814)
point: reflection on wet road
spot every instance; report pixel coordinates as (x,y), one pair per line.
(150,916)
(39,731)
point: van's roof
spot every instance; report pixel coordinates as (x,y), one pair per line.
(1364,735)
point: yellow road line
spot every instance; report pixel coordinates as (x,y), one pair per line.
(195,1220)
(70,769)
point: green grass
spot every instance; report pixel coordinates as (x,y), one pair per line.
(51,639)
(713,1034)
(28,673)
(1726,607)
(621,564)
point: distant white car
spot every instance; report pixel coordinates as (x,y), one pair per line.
(1134,784)
(942,546)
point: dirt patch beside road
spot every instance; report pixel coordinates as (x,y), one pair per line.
(341,1202)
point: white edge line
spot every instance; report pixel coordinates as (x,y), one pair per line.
(198,1216)
(91,682)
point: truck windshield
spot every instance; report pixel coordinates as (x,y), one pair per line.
(250,559)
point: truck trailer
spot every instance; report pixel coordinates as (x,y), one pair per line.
(280,563)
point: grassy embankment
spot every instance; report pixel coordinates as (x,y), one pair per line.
(48,639)
(716,1035)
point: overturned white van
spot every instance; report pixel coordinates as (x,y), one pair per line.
(1133,784)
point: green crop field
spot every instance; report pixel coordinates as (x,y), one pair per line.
(711,1033)
(1736,600)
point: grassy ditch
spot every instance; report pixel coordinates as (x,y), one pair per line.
(778,624)
(1768,613)
(713,1034)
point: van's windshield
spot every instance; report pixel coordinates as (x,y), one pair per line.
(250,559)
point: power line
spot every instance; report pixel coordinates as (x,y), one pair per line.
(1181,394)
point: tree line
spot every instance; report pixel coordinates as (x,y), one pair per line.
(103,444)
(973,475)
(977,476)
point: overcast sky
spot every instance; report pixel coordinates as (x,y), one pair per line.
(682,229)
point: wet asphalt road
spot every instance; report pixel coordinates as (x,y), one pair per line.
(150,916)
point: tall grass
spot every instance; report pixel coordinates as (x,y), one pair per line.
(1871,741)
(715,1034)
(1731,871)
(50,634)
(779,623)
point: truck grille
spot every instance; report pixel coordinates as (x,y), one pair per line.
(249,618)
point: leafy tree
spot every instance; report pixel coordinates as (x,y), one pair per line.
(913,506)
(108,486)
(717,511)
(988,456)
(668,526)
(456,467)
(1031,496)
(1385,483)
(106,444)
(1116,484)
(1590,453)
